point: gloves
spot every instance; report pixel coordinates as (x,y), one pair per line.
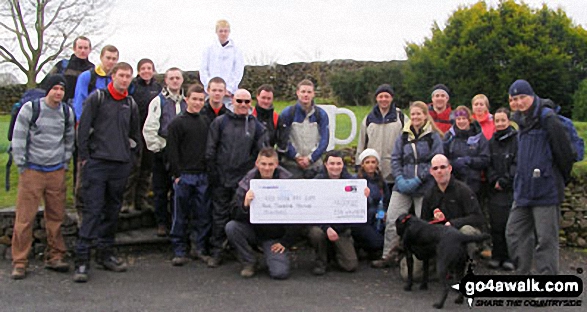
(400,183)
(407,186)
(412,185)
(461,163)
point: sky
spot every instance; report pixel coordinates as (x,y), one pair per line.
(175,33)
(284,31)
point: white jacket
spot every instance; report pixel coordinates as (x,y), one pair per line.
(155,143)
(225,62)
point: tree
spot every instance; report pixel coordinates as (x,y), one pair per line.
(357,87)
(36,32)
(483,50)
(580,102)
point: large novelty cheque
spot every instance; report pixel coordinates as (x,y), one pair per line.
(308,201)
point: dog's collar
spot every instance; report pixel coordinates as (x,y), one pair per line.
(406,218)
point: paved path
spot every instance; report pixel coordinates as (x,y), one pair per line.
(152,284)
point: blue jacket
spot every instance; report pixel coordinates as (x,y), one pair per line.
(538,181)
(468,153)
(299,116)
(411,156)
(81,90)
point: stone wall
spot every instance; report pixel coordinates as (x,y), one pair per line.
(574,214)
(127,222)
(283,77)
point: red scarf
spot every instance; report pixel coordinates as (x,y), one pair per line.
(115,94)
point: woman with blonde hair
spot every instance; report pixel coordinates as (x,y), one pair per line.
(410,163)
(480,105)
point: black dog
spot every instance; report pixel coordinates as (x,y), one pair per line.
(426,241)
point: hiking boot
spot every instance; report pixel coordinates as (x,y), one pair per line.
(319,268)
(213,262)
(18,273)
(127,208)
(199,255)
(179,260)
(493,264)
(161,230)
(143,204)
(508,265)
(248,270)
(57,265)
(81,273)
(111,263)
(385,262)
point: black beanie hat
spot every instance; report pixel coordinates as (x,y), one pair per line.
(521,86)
(384,88)
(442,87)
(53,81)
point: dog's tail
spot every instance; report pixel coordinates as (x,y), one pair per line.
(465,239)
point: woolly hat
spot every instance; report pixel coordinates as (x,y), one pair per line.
(369,152)
(384,88)
(440,88)
(521,86)
(53,81)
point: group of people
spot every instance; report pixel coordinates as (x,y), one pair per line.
(204,146)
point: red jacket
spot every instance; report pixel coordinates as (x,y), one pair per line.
(443,120)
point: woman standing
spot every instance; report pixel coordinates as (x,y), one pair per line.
(410,163)
(467,149)
(500,174)
(480,104)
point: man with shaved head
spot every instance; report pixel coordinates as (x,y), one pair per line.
(234,140)
(450,201)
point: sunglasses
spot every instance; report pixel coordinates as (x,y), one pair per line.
(243,101)
(439,167)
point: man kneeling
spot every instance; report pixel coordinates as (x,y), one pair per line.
(273,239)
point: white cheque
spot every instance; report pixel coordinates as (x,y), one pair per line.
(308,201)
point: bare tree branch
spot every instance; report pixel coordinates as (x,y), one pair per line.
(33,33)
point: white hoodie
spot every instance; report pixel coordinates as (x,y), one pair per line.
(225,62)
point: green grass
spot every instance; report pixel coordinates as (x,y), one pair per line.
(342,131)
(8,199)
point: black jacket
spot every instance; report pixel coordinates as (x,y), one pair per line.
(209,112)
(502,166)
(286,235)
(458,203)
(109,129)
(143,94)
(233,144)
(276,132)
(186,143)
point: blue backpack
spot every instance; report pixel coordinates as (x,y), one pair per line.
(576,140)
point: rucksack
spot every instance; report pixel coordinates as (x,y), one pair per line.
(275,117)
(62,66)
(576,141)
(29,96)
(34,96)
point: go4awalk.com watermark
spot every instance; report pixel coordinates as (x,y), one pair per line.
(521,290)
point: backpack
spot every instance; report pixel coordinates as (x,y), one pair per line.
(34,96)
(576,141)
(62,66)
(275,117)
(29,96)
